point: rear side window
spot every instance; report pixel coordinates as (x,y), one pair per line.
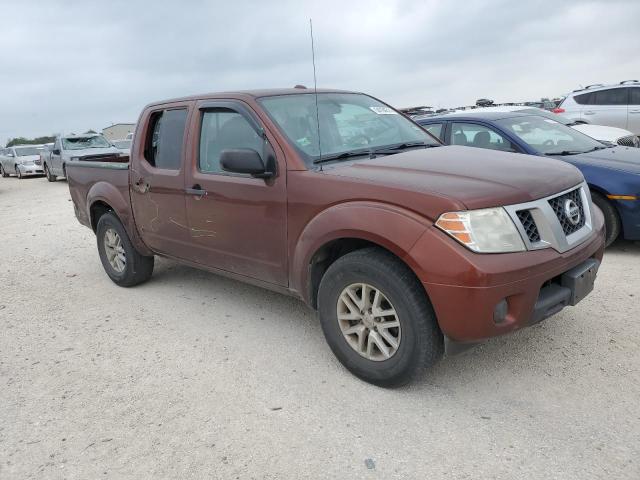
(434,129)
(613,96)
(163,148)
(224,129)
(634,96)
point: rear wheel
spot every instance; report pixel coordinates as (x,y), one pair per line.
(377,318)
(49,175)
(122,262)
(611,218)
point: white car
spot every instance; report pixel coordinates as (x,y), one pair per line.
(20,160)
(601,133)
(612,105)
(123,145)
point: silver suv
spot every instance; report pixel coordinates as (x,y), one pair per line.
(612,105)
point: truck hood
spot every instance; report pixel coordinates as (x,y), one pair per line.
(626,159)
(475,177)
(85,152)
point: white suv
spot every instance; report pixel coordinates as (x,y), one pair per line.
(612,105)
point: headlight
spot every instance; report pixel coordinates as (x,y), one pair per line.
(489,230)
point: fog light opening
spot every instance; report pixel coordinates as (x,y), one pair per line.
(500,312)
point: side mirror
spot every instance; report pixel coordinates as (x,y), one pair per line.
(244,160)
(10,154)
(56,151)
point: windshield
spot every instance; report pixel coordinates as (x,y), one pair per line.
(348,122)
(122,143)
(24,151)
(78,143)
(547,114)
(548,136)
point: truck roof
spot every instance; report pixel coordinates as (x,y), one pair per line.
(268,92)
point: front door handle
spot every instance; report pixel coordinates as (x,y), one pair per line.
(589,113)
(196,190)
(142,186)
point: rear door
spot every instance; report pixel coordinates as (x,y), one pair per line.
(157,180)
(633,122)
(607,107)
(237,223)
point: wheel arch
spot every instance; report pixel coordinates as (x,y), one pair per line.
(344,228)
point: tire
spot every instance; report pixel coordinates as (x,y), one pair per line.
(3,173)
(420,343)
(19,173)
(137,268)
(48,174)
(612,225)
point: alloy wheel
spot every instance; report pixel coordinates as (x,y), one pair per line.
(369,322)
(114,250)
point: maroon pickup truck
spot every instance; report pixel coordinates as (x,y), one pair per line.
(407,249)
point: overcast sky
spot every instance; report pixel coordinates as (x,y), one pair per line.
(67,66)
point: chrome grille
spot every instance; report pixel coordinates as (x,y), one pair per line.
(529,225)
(629,141)
(559,207)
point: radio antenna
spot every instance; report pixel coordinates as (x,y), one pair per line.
(315,90)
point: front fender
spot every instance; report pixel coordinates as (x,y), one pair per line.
(388,226)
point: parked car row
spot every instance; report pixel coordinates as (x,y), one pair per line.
(52,159)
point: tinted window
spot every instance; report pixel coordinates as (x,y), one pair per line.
(434,129)
(165,138)
(614,96)
(583,99)
(221,130)
(634,96)
(479,136)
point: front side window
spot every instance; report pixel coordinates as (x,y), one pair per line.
(165,138)
(434,129)
(347,122)
(548,136)
(224,129)
(479,136)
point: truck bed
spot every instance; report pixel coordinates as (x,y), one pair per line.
(91,181)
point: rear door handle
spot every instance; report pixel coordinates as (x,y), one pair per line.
(634,111)
(196,190)
(589,113)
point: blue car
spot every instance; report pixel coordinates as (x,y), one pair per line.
(612,172)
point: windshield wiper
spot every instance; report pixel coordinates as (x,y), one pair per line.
(343,155)
(597,147)
(565,152)
(403,146)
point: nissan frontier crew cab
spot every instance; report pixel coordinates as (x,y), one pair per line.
(406,248)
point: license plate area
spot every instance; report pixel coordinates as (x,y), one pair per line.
(580,280)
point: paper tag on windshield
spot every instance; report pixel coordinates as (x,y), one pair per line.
(384,110)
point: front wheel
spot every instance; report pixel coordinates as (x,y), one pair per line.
(611,219)
(377,319)
(19,173)
(122,262)
(48,174)
(3,172)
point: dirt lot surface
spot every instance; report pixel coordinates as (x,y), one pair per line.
(195,376)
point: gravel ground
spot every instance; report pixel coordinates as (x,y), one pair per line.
(195,376)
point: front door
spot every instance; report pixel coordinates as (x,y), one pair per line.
(157,181)
(55,162)
(237,223)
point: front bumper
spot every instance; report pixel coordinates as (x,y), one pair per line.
(468,291)
(30,169)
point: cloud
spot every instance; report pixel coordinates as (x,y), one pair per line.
(73,65)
